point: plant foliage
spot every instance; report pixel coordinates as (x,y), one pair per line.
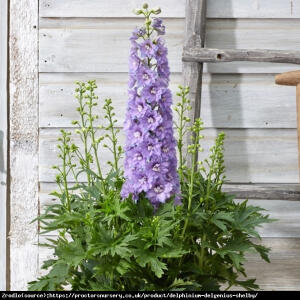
(107,244)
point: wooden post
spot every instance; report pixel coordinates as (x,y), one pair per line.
(293,79)
(195,20)
(24,126)
(3,142)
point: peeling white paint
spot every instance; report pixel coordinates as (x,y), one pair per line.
(3,140)
(23,141)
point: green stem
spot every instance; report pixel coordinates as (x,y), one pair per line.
(191,183)
(180,145)
(94,143)
(64,173)
(114,141)
(84,134)
(72,168)
(201,262)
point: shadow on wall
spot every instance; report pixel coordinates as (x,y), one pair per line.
(228,95)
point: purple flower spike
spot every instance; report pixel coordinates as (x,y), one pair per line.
(150,157)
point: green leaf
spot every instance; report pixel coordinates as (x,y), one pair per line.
(184,285)
(144,257)
(157,267)
(237,259)
(59,270)
(48,263)
(224,216)
(220,224)
(249,285)
(171,252)
(72,253)
(40,285)
(263,251)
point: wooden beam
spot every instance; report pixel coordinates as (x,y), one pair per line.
(195,20)
(199,54)
(280,191)
(3,141)
(23,77)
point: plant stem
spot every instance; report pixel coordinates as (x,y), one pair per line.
(84,135)
(180,144)
(113,139)
(64,171)
(94,142)
(202,251)
(194,151)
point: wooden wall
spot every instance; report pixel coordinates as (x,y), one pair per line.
(81,40)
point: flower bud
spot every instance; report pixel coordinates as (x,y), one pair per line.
(156,10)
(145,5)
(137,11)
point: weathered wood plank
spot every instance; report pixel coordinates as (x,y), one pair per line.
(194,35)
(251,155)
(3,141)
(278,191)
(228,101)
(200,55)
(216,8)
(285,263)
(23,79)
(86,45)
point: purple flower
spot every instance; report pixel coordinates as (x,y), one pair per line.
(146,76)
(147,49)
(137,33)
(150,152)
(135,62)
(151,147)
(164,70)
(160,192)
(152,120)
(158,26)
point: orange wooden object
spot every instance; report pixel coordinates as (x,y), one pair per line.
(293,79)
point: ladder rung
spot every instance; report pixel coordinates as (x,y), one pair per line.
(198,54)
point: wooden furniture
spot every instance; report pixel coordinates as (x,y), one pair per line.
(293,79)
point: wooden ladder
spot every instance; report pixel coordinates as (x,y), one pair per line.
(195,55)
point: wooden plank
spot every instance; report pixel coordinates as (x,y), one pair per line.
(23,142)
(271,191)
(194,35)
(228,101)
(251,155)
(284,261)
(3,141)
(200,54)
(86,45)
(216,8)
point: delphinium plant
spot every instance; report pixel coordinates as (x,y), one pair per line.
(156,226)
